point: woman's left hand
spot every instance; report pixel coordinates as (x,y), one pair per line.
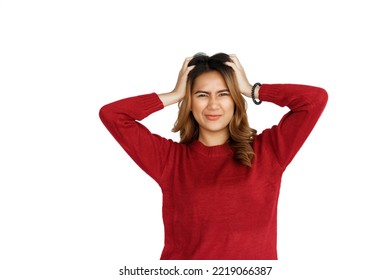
(242,80)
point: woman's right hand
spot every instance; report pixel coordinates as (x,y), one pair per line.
(180,88)
(179,91)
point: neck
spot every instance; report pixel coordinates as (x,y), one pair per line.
(213,138)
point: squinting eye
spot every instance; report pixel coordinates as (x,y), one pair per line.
(201,95)
(224,93)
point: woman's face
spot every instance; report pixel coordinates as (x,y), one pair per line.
(212,107)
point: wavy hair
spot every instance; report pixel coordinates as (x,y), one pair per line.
(241,135)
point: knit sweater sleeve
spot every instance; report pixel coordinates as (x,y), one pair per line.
(121,119)
(306,104)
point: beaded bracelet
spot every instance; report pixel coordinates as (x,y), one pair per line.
(253,94)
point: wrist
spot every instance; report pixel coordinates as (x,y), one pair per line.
(169,98)
(247,90)
(255,93)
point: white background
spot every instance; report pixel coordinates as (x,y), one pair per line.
(73,205)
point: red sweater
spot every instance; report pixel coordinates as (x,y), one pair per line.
(213,207)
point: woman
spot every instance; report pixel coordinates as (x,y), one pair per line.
(221,183)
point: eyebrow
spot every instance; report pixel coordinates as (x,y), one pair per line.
(219,91)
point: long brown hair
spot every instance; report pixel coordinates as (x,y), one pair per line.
(241,135)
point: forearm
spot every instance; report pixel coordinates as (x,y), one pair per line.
(169,98)
(294,96)
(121,118)
(127,110)
(306,104)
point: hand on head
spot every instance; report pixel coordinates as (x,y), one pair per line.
(242,80)
(180,88)
(243,83)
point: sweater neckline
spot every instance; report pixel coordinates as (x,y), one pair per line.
(211,151)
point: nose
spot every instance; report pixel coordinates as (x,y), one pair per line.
(213,102)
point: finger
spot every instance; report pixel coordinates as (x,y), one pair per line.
(186,61)
(184,67)
(231,64)
(234,58)
(189,68)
